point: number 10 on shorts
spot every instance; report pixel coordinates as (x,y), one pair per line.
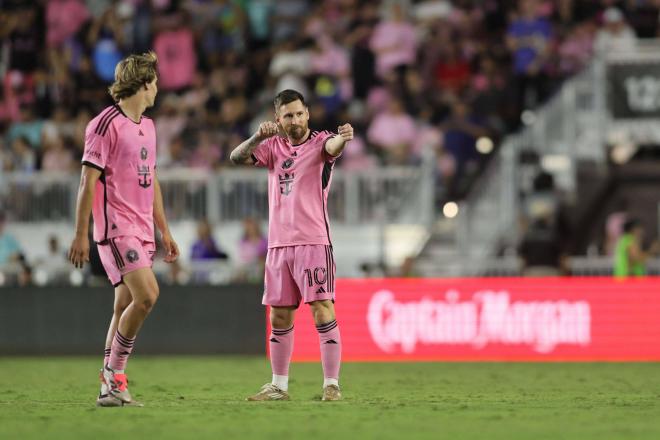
(317,276)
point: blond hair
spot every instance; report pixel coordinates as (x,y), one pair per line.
(132,73)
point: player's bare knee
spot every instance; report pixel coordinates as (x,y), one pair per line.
(120,307)
(149,301)
(321,306)
(281,318)
(322,311)
(146,305)
(122,299)
(280,322)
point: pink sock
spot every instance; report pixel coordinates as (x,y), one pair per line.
(281,347)
(121,350)
(330,348)
(106,357)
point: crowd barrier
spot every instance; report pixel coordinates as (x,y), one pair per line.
(185,320)
(481,319)
(492,319)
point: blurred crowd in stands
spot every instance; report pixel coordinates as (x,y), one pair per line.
(412,76)
(209,262)
(419,80)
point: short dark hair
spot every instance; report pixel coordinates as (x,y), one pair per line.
(631,224)
(287,96)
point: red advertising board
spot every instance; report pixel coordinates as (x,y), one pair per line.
(484,319)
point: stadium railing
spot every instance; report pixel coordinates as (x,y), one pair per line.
(389,194)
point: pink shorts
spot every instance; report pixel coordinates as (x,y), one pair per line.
(121,255)
(295,273)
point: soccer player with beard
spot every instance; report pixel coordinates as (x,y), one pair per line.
(120,188)
(300,264)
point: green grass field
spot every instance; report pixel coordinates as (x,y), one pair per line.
(202,397)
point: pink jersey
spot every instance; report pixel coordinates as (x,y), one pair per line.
(298,184)
(125,153)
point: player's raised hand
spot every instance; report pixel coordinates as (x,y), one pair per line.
(79,251)
(346,132)
(171,249)
(267,129)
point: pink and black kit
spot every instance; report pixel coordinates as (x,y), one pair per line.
(125,153)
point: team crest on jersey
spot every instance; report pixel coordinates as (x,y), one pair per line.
(286,183)
(143,153)
(144,174)
(132,256)
(287,164)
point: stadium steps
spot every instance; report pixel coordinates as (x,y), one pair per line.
(440,257)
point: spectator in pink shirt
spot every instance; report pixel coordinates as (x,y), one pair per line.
(170,123)
(9,110)
(576,50)
(63,19)
(252,250)
(356,158)
(378,99)
(332,60)
(207,154)
(57,158)
(393,132)
(614,225)
(177,59)
(394,42)
(329,58)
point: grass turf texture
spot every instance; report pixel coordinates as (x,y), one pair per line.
(203,397)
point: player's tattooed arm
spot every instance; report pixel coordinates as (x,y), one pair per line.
(335,145)
(243,153)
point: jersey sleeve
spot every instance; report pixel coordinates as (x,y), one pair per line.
(325,136)
(97,149)
(262,155)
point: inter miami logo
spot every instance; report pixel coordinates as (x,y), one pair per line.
(132,256)
(143,153)
(286,182)
(287,164)
(144,174)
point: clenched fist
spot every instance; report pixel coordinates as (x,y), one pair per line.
(346,132)
(267,129)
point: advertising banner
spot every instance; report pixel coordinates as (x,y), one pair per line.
(634,90)
(491,319)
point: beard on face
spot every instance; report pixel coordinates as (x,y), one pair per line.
(296,131)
